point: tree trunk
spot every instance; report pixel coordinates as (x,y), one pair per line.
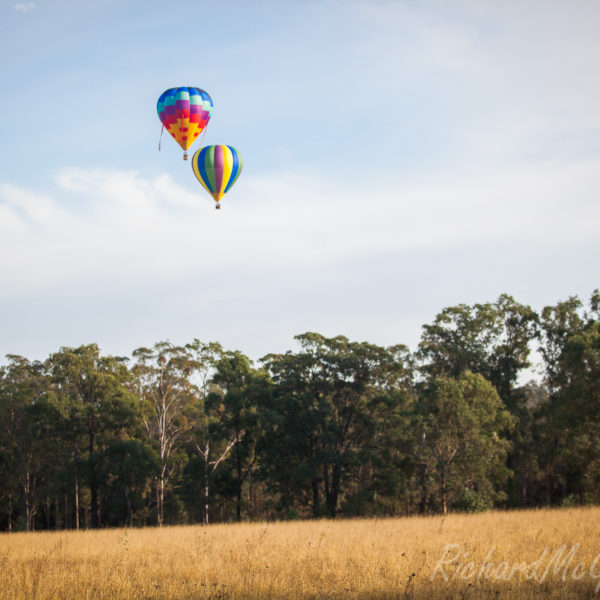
(160,491)
(206,491)
(334,491)
(444,499)
(76,501)
(326,486)
(423,486)
(162,500)
(205,454)
(93,482)
(250,510)
(238,508)
(316,498)
(129,507)
(26,484)
(423,476)
(94,493)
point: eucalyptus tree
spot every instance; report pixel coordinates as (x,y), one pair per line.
(127,469)
(570,345)
(494,340)
(330,396)
(163,384)
(464,421)
(237,401)
(214,434)
(10,490)
(96,403)
(29,434)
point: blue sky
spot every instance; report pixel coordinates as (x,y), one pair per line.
(400,157)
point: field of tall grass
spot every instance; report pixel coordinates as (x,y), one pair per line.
(522,554)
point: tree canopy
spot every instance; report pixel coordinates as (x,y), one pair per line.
(199,433)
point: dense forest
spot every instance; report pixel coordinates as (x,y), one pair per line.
(199,434)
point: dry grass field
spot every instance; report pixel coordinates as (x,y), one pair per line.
(523,554)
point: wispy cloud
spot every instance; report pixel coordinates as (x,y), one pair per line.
(122,259)
(24,6)
(118,226)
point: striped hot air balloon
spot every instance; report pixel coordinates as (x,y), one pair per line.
(217,169)
(184,113)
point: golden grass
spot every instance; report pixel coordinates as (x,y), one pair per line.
(362,558)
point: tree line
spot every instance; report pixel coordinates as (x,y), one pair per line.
(197,433)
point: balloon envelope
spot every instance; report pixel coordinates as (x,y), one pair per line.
(217,168)
(184,113)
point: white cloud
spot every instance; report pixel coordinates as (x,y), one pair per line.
(118,227)
(24,6)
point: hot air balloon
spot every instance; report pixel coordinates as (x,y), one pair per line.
(184,113)
(217,169)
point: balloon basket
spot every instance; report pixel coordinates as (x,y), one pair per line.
(185,156)
(217,206)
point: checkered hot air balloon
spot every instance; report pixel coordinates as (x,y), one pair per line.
(217,169)
(184,113)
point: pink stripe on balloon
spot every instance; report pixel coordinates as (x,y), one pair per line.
(219,166)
